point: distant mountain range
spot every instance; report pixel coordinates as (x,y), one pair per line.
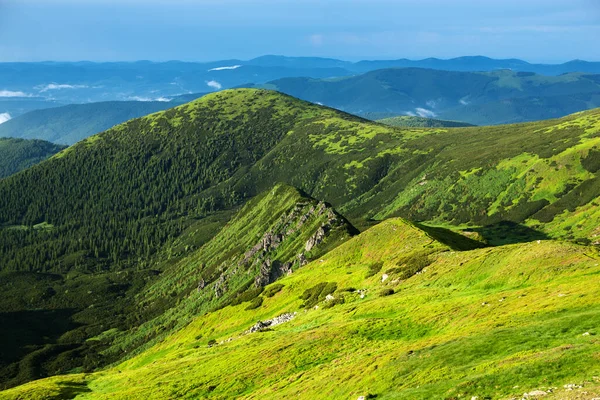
(481,98)
(28,86)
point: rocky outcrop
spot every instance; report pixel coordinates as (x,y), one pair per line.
(271,271)
(260,255)
(316,239)
(220,285)
(201,284)
(262,325)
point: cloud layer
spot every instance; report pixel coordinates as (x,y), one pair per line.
(56,86)
(10,93)
(4,117)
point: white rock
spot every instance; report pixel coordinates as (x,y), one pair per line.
(329,297)
(384,277)
(535,393)
(586,334)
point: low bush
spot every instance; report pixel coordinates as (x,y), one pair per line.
(255,303)
(273,289)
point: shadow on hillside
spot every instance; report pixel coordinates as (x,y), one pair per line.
(498,234)
(29,340)
(454,240)
(508,232)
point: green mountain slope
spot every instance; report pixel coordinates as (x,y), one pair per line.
(391,313)
(18,154)
(127,214)
(474,97)
(169,169)
(420,122)
(273,235)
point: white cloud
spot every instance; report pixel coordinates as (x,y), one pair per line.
(463,102)
(56,86)
(142,98)
(431,103)
(4,117)
(423,112)
(224,68)
(10,93)
(214,85)
(410,113)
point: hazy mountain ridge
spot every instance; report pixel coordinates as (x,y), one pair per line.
(30,86)
(481,98)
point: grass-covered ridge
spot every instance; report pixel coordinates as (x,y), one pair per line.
(467,323)
(421,122)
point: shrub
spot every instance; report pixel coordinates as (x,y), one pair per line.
(317,293)
(273,289)
(386,292)
(339,299)
(255,303)
(373,269)
(410,265)
(248,295)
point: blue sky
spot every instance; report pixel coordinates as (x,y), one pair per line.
(203,30)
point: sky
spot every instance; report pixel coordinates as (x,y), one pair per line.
(548,31)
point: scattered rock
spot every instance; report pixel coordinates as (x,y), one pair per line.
(262,325)
(329,297)
(384,277)
(535,393)
(571,386)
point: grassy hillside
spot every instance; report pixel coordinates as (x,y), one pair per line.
(473,97)
(406,317)
(18,154)
(216,152)
(130,213)
(420,122)
(271,236)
